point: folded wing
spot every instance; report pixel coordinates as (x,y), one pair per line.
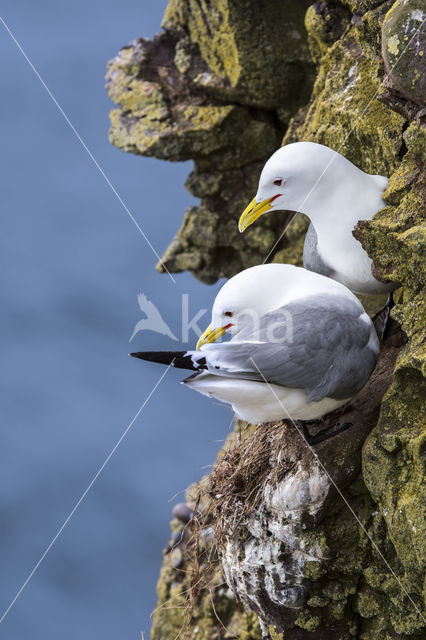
(327,346)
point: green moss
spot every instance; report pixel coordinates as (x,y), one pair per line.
(274,635)
(202,90)
(360,6)
(246,626)
(211,612)
(216,39)
(315,570)
(368,603)
(316,28)
(345,113)
(318,601)
(308,621)
(231,36)
(393,459)
(152,130)
(324,24)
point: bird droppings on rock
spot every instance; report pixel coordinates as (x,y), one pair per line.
(287,547)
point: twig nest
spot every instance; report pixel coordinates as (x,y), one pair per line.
(404,48)
(274,497)
(266,554)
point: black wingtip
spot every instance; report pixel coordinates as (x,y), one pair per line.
(162,357)
(176,358)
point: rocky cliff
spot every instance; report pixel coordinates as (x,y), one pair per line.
(315,545)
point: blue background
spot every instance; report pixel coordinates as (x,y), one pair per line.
(72,264)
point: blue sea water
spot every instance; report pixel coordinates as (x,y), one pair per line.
(72,264)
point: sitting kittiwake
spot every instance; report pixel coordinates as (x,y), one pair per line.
(334,194)
(300,345)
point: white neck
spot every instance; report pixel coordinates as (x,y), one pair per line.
(344,201)
(334,214)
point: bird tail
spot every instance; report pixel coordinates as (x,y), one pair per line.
(178,359)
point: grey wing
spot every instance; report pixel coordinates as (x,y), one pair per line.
(323,348)
(311,257)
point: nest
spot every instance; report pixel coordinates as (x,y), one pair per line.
(234,490)
(237,481)
(261,457)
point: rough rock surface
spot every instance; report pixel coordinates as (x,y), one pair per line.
(300,561)
(220,90)
(404,46)
(300,558)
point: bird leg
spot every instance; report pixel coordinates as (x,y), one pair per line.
(304,429)
(324,433)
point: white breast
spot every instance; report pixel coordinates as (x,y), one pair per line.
(258,402)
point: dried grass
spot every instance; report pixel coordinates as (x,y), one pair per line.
(237,481)
(233,491)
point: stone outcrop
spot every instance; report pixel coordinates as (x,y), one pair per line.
(225,83)
(219,89)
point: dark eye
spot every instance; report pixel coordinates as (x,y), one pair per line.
(278,182)
(229,314)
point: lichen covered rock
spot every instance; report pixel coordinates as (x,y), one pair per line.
(344,113)
(294,549)
(296,528)
(218,85)
(247,59)
(404,48)
(394,453)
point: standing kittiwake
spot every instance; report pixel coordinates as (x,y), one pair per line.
(334,194)
(300,345)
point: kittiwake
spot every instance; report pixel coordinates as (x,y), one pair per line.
(334,194)
(300,345)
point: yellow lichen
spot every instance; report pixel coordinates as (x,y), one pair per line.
(393,44)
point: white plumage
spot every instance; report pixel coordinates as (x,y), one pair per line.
(301,345)
(334,194)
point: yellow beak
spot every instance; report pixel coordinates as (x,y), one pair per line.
(211,335)
(253,212)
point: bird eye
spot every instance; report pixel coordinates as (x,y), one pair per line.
(229,314)
(278,182)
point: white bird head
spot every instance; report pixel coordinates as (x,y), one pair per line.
(296,178)
(244,299)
